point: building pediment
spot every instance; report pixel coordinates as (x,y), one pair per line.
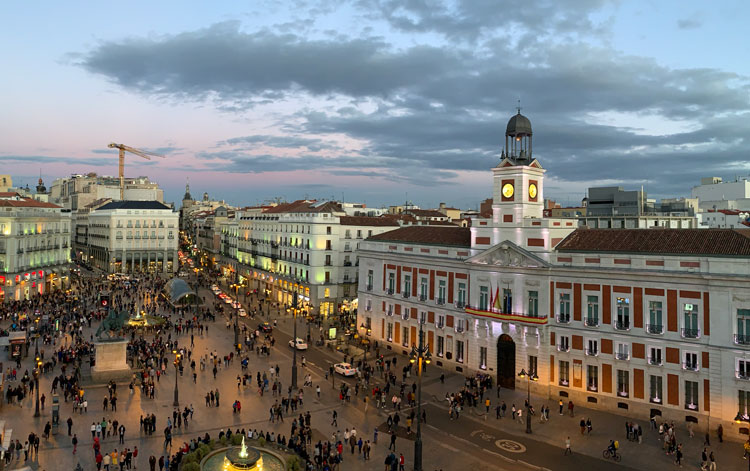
(507,254)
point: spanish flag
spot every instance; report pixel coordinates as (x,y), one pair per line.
(497,304)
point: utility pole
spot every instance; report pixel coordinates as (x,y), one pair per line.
(294,340)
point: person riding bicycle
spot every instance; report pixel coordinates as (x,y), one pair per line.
(613,446)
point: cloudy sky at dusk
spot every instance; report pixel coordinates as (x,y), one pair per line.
(377,99)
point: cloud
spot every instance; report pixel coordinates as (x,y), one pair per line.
(423,112)
(51,159)
(689,23)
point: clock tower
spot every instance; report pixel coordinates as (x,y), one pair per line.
(518,178)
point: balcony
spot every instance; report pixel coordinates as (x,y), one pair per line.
(563,318)
(655,361)
(460,330)
(655,329)
(328,264)
(690,365)
(622,355)
(347,263)
(423,297)
(691,333)
(591,321)
(562,347)
(405,293)
(389,312)
(389,291)
(460,304)
(440,301)
(623,324)
(369,287)
(744,375)
(741,339)
(440,325)
(592,351)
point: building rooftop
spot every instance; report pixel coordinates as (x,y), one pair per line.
(305,206)
(23,202)
(432,235)
(708,242)
(429,213)
(366,221)
(134,205)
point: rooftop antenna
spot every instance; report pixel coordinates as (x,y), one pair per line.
(519,105)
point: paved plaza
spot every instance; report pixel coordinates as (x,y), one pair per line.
(476,440)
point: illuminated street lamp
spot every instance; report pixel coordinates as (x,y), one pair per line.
(177,355)
(530,378)
(420,356)
(38,363)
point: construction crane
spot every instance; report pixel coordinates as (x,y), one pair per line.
(141,153)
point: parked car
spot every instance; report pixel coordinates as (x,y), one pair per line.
(241,312)
(265,327)
(299,344)
(228,300)
(345,369)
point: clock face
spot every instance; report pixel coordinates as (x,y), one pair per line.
(508,190)
(532,191)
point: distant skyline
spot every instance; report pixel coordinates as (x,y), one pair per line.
(377,101)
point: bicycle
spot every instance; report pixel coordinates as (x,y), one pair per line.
(607,454)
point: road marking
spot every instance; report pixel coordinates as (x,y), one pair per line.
(510,446)
(448,447)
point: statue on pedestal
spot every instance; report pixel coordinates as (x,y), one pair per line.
(111,326)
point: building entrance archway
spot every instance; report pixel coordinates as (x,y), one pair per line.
(506,362)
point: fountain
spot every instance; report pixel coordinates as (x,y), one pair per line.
(243,458)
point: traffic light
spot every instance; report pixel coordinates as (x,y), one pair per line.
(104,300)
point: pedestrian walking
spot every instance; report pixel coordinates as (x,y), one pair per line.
(75,443)
(567,446)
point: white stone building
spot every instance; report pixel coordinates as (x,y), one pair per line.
(640,321)
(304,246)
(133,236)
(34,247)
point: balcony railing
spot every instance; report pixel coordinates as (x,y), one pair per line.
(691,333)
(655,361)
(563,347)
(460,304)
(369,287)
(690,365)
(656,329)
(622,324)
(347,263)
(622,355)
(389,291)
(592,351)
(743,375)
(742,339)
(423,297)
(591,321)
(440,301)
(563,318)
(405,293)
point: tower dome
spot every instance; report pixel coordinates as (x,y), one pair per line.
(517,125)
(518,138)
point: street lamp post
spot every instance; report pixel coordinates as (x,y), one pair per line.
(236,319)
(421,356)
(176,402)
(365,346)
(529,379)
(294,341)
(36,384)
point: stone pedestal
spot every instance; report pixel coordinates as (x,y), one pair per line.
(111,362)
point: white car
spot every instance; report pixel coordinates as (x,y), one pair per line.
(345,369)
(241,312)
(236,305)
(300,344)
